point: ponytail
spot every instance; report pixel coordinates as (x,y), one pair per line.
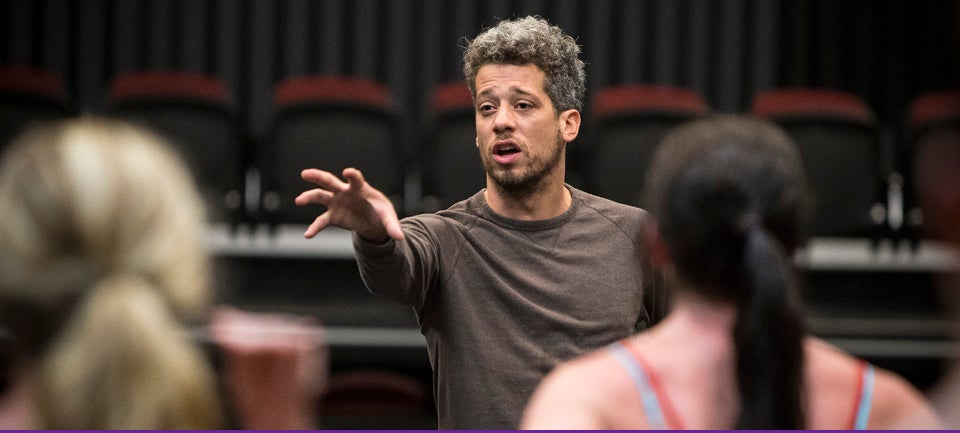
(733,202)
(768,337)
(123,361)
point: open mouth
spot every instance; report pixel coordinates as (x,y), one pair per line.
(505,152)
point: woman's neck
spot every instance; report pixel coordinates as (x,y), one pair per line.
(694,319)
(715,316)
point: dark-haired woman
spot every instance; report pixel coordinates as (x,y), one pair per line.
(731,204)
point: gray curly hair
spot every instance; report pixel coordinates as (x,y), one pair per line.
(531,40)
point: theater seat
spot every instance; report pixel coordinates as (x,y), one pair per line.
(933,123)
(196,113)
(627,123)
(30,94)
(330,123)
(838,139)
(375,399)
(452,170)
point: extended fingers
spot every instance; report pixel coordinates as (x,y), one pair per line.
(316,195)
(324,179)
(320,223)
(385,211)
(354,178)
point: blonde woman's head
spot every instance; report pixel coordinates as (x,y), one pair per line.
(101,261)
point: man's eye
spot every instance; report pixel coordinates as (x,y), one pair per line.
(523,105)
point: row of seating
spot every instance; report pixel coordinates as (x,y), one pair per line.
(335,122)
(837,134)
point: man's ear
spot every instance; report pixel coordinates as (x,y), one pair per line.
(658,248)
(569,125)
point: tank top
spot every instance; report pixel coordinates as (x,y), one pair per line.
(661,414)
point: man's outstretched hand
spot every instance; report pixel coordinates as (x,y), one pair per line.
(352,204)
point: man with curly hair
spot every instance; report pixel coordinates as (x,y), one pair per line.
(526,273)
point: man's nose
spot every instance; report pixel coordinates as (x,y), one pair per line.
(504,120)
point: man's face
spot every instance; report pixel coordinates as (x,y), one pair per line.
(519,134)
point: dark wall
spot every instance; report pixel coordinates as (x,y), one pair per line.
(886,51)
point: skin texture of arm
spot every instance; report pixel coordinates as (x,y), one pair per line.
(275,367)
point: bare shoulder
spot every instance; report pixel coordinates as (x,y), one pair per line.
(579,394)
(899,405)
(896,403)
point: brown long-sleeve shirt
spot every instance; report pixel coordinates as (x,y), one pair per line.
(502,301)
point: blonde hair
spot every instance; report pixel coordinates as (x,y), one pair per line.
(101,231)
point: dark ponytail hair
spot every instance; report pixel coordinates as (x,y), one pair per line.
(768,336)
(731,201)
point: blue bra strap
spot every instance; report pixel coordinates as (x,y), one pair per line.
(866,398)
(651,405)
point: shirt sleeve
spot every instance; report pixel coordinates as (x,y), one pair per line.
(403,271)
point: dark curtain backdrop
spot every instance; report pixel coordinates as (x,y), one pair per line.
(886,51)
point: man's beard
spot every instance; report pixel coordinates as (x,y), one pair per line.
(531,180)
